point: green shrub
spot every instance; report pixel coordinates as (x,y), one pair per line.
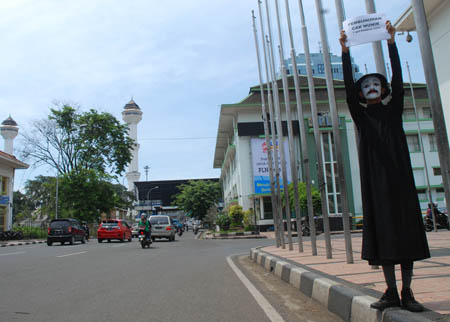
(223,220)
(236,215)
(32,232)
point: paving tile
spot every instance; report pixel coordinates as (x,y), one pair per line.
(431,280)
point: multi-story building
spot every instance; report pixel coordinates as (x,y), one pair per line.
(240,124)
(318,66)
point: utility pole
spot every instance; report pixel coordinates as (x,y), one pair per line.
(433,94)
(336,134)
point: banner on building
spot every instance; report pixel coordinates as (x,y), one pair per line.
(365,29)
(260,164)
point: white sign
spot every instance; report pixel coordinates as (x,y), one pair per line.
(261,177)
(365,29)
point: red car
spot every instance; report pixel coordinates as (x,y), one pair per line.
(114,229)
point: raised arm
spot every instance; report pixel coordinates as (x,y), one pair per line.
(397,78)
(351,91)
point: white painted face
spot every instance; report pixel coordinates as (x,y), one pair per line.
(371,88)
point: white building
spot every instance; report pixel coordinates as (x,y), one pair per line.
(437,14)
(8,165)
(241,123)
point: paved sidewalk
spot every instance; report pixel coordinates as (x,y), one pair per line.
(431,281)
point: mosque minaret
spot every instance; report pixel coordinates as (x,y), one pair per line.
(9,131)
(132,114)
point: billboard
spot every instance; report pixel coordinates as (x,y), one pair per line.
(260,164)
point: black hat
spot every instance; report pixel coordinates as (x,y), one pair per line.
(384,84)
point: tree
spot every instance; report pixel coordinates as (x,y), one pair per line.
(197,196)
(41,192)
(85,195)
(317,206)
(22,207)
(70,141)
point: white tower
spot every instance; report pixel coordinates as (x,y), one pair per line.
(9,131)
(132,114)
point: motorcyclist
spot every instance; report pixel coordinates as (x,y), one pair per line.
(145,225)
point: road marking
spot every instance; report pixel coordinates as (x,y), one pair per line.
(270,311)
(71,254)
(120,245)
(12,253)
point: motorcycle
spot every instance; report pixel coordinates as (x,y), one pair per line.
(179,231)
(145,242)
(441,221)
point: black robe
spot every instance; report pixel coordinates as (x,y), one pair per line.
(393,230)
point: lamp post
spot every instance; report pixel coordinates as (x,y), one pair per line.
(149,194)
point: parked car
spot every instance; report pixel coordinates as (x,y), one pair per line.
(114,229)
(65,230)
(135,230)
(162,227)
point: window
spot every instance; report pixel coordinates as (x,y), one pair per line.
(440,194)
(331,174)
(419,176)
(413,143)
(422,194)
(320,68)
(267,208)
(437,171)
(426,111)
(409,114)
(4,186)
(432,140)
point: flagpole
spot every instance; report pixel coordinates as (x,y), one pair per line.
(279,126)
(276,206)
(336,133)
(315,121)
(280,130)
(376,45)
(292,153)
(304,144)
(421,149)
(264,113)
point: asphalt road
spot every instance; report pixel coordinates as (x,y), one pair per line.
(186,280)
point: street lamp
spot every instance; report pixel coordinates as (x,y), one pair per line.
(149,193)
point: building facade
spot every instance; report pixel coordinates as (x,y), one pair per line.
(437,13)
(157,197)
(318,66)
(8,165)
(241,124)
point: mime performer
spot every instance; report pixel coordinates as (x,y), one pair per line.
(393,230)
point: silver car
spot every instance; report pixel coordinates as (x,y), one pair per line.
(162,227)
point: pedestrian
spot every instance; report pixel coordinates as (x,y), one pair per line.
(393,230)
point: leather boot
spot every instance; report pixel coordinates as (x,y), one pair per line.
(390,298)
(409,302)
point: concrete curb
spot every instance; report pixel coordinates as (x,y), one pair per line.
(349,304)
(245,233)
(31,242)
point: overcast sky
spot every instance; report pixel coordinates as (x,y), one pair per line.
(179,60)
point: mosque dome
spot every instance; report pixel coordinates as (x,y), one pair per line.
(131,105)
(9,121)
